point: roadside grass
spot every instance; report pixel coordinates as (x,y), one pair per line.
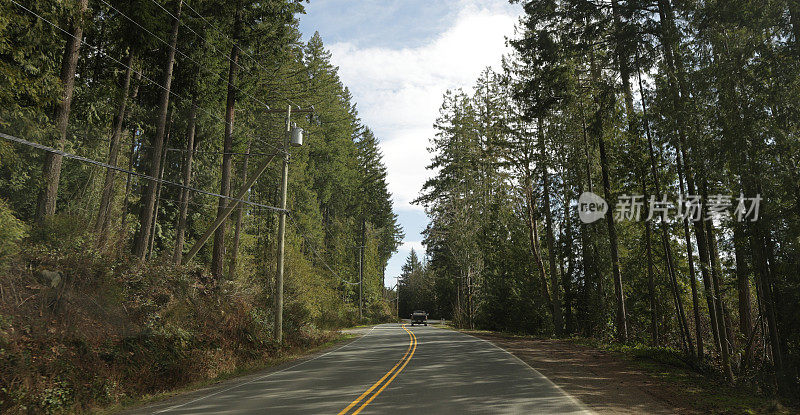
(291,355)
(359,326)
(702,387)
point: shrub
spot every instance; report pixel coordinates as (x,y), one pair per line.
(12,230)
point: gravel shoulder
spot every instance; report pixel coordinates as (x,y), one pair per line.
(613,383)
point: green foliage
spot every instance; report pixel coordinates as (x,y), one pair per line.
(12,230)
(628,98)
(56,398)
(166,325)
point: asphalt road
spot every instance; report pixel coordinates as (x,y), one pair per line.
(392,369)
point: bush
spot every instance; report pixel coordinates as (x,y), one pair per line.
(12,230)
(379,312)
(62,232)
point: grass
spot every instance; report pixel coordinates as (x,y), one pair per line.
(360,326)
(293,355)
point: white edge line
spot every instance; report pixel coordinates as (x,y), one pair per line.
(264,376)
(575,400)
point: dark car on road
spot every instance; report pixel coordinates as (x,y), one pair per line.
(419,317)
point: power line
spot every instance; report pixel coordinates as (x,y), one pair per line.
(199,36)
(244,52)
(143,76)
(223,54)
(184,150)
(314,251)
(297,230)
(185,55)
(131,172)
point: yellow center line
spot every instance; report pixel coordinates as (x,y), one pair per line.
(378,392)
(411,343)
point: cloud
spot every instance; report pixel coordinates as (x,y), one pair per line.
(399,90)
(407,246)
(398,259)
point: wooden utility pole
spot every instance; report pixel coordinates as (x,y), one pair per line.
(282,227)
(282,232)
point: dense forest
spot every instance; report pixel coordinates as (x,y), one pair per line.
(127,128)
(682,116)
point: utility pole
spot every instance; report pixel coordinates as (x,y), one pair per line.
(290,135)
(360,283)
(281,232)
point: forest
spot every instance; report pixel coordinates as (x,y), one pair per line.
(683,117)
(127,128)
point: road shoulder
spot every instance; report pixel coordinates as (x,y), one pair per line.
(611,383)
(156,403)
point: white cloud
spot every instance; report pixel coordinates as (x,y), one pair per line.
(399,259)
(399,91)
(407,246)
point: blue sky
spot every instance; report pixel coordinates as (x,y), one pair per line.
(398,57)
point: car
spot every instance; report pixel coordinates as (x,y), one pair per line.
(419,317)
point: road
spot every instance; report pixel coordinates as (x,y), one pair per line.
(391,369)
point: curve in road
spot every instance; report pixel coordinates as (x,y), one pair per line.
(391,369)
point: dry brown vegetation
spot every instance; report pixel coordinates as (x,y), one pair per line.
(113,329)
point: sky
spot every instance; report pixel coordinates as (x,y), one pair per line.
(398,57)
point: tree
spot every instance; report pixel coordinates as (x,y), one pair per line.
(147,210)
(51,171)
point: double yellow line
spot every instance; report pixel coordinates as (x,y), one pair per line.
(388,377)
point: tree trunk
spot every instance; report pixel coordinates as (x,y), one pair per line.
(587,242)
(690,259)
(180,231)
(218,252)
(604,103)
(664,231)
(558,322)
(533,235)
(149,190)
(742,281)
(239,215)
(151,243)
(715,275)
(103,219)
(622,323)
(51,171)
(566,277)
(758,244)
(131,155)
(622,57)
(679,93)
